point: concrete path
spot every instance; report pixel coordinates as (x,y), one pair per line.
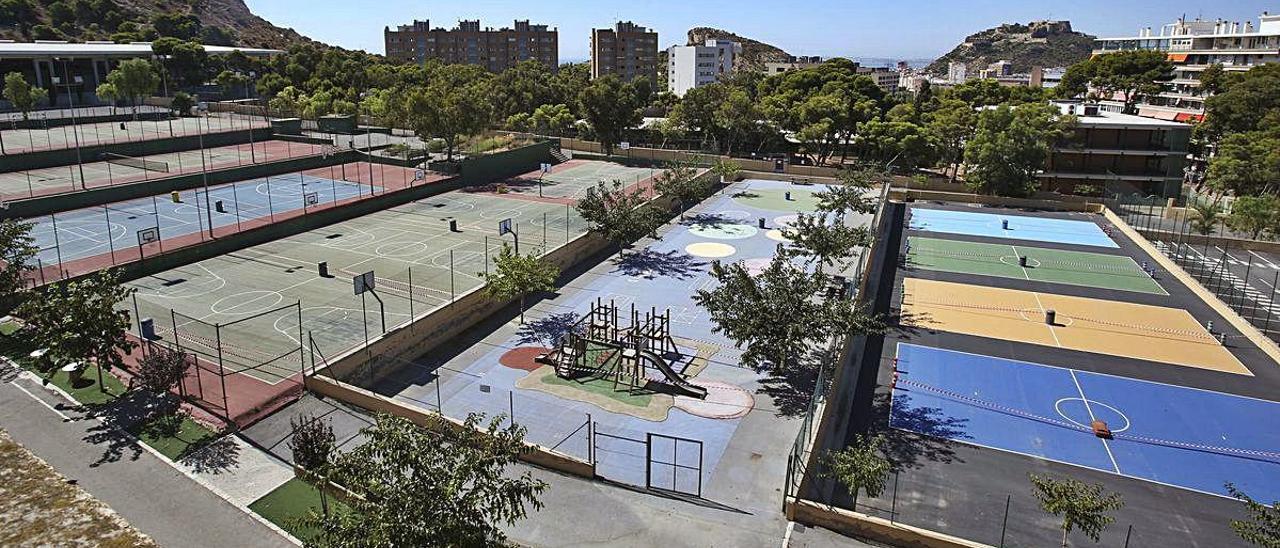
(148,492)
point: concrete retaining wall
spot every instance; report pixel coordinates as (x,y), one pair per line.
(535,454)
(873,528)
(903,194)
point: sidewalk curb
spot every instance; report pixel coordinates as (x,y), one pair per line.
(27,375)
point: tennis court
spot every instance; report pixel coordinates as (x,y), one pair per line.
(418,262)
(1018,227)
(115,170)
(94,231)
(17,141)
(1143,332)
(1041,264)
(570,180)
(1185,437)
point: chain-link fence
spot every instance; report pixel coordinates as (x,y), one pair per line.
(1234,266)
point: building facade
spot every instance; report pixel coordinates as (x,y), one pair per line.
(792,63)
(1118,153)
(1193,46)
(689,67)
(628,50)
(71,72)
(888,79)
(468,44)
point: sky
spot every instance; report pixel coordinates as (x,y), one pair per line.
(897,29)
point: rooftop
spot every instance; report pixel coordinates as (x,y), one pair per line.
(43,48)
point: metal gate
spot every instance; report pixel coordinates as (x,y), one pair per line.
(673,464)
(619,457)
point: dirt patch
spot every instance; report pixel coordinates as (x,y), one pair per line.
(38,507)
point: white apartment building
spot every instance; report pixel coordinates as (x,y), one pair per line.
(689,67)
(1193,46)
(957,72)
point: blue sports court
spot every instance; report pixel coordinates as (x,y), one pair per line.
(1185,437)
(1060,231)
(97,230)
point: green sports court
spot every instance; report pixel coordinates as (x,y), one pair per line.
(1095,270)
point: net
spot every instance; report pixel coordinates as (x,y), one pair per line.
(139,163)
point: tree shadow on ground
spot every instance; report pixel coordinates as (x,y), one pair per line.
(790,390)
(117,418)
(917,433)
(546,330)
(215,456)
(651,264)
(708,220)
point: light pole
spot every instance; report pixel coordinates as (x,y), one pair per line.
(75,128)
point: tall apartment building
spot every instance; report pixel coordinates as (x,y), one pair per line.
(493,49)
(689,67)
(957,72)
(627,50)
(888,79)
(1118,152)
(1193,46)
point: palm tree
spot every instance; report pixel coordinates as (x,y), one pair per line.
(1206,219)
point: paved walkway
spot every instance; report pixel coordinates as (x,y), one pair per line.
(148,492)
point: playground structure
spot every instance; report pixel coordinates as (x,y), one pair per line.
(598,346)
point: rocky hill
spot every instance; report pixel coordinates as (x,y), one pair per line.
(1037,44)
(226,22)
(754,54)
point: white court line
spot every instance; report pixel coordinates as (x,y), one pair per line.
(1092,418)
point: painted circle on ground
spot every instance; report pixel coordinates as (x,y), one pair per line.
(400,249)
(724,401)
(777,236)
(248,302)
(785,221)
(1013,261)
(737,215)
(775,199)
(723,231)
(710,250)
(1072,409)
(756,266)
(523,357)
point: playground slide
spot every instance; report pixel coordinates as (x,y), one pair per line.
(682,387)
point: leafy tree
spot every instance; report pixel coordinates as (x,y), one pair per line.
(954,124)
(728,170)
(681,181)
(161,370)
(443,485)
(778,314)
(22,94)
(980,92)
(133,79)
(619,215)
(79,322)
(519,275)
(1206,218)
(107,91)
(1263,526)
(449,109)
(523,88)
(859,466)
(182,103)
(906,145)
(610,106)
(312,442)
(230,81)
(1245,164)
(1255,215)
(826,239)
(822,107)
(853,194)
(553,119)
(185,62)
(1213,80)
(1124,75)
(179,26)
(17,249)
(1079,505)
(1010,147)
(1247,102)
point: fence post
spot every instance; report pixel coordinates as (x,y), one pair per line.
(1004,526)
(1128,534)
(411,314)
(511,405)
(893,507)
(453,295)
(222,374)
